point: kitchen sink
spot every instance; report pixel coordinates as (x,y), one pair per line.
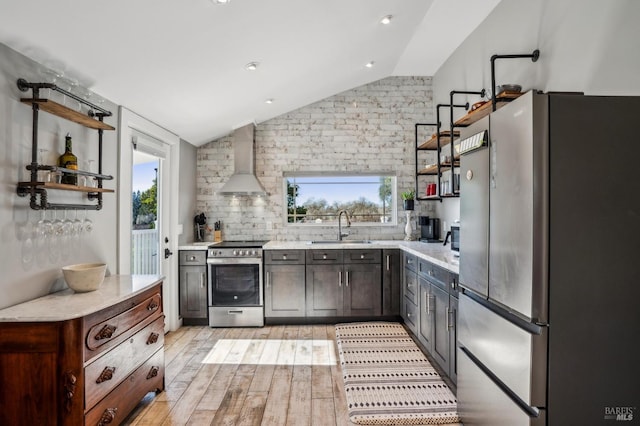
(340,242)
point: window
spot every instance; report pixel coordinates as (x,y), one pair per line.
(316,199)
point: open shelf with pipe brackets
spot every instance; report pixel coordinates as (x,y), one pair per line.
(37,190)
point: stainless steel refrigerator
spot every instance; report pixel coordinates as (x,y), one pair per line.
(550,263)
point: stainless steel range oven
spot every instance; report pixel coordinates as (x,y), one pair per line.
(236,296)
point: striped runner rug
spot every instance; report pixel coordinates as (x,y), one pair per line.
(388,380)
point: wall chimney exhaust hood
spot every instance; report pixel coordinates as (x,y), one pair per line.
(243,181)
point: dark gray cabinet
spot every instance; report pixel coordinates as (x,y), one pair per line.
(284,283)
(193,286)
(343,283)
(427,317)
(438,315)
(410,293)
(391,282)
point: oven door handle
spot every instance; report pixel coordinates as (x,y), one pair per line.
(235,261)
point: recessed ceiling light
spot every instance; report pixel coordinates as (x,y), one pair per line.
(386,20)
(268,101)
(251,66)
(221,1)
(369,64)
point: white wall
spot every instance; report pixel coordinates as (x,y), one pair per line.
(589,46)
(30,268)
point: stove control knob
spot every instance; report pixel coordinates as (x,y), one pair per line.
(253,253)
(241,252)
(235,252)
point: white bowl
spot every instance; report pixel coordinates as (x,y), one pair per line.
(84,277)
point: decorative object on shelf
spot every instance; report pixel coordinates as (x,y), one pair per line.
(533,56)
(408,228)
(35,188)
(84,277)
(68,160)
(408,198)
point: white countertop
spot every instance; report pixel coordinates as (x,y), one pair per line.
(67,304)
(198,245)
(435,253)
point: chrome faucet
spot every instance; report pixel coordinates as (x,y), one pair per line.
(340,234)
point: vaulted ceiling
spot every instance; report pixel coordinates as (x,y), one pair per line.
(182,63)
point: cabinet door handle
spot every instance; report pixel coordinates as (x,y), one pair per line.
(388,262)
(202,280)
(346,281)
(284,257)
(268,280)
(362,256)
(446,319)
(451,322)
(324,256)
(339,278)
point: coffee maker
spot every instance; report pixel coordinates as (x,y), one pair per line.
(429,229)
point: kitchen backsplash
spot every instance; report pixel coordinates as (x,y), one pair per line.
(370,128)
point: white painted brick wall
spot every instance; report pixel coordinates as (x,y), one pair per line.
(369,128)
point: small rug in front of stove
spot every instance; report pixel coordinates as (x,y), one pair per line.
(388,380)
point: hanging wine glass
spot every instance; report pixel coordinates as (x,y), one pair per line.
(67,225)
(77,225)
(58,225)
(44,228)
(87,224)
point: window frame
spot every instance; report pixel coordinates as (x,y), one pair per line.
(329,174)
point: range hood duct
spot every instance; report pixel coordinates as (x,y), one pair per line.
(243,181)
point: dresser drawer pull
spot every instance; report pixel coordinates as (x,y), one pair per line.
(107,374)
(108,416)
(284,257)
(152,306)
(153,372)
(106,332)
(153,338)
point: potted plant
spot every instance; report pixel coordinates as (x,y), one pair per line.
(408,198)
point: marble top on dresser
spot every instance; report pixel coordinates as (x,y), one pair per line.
(67,304)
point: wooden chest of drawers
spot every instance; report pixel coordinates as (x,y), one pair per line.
(92,369)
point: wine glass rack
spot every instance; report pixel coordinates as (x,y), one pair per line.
(36,189)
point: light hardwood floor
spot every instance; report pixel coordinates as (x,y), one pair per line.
(276,375)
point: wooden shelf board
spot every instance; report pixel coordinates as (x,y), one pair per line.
(502,99)
(445,139)
(63,186)
(429,198)
(67,113)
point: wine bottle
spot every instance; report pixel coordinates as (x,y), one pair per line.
(69,161)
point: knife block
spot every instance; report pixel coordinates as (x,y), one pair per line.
(217,236)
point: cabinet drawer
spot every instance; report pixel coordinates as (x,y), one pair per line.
(410,315)
(116,406)
(410,261)
(106,372)
(284,257)
(324,256)
(193,257)
(362,256)
(434,273)
(109,330)
(410,289)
